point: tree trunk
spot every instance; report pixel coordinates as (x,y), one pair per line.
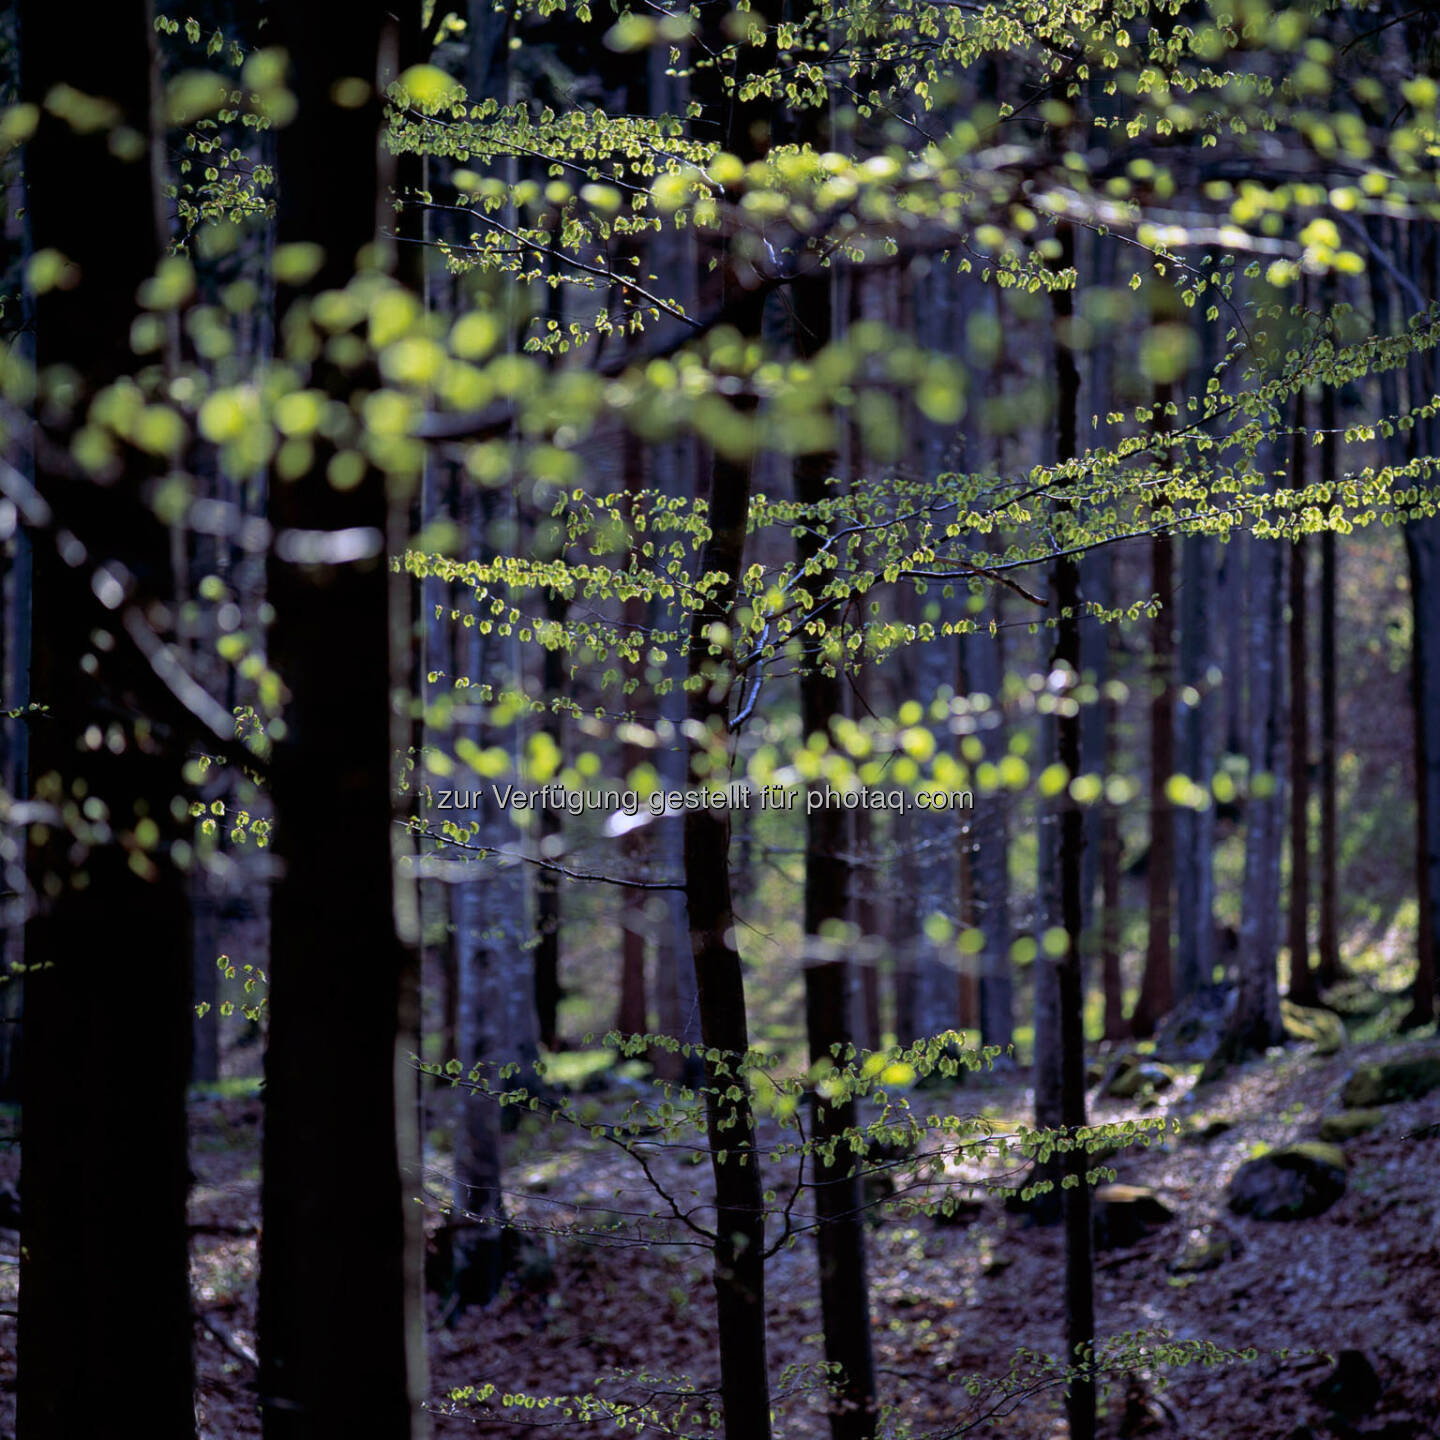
(548,989)
(990,841)
(339,1110)
(1302,988)
(1195,829)
(1068,831)
(867,911)
(1157,990)
(630,1018)
(1328,972)
(1232,612)
(829,1027)
(496,1021)
(104,1288)
(1112,980)
(1422,551)
(1422,545)
(739,1264)
(1255,1021)
(739,1260)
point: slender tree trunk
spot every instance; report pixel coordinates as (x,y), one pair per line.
(1157,990)
(1255,1021)
(1069,976)
(631,1015)
(339,1108)
(104,1292)
(1422,544)
(548,989)
(1116,1027)
(867,910)
(1199,723)
(1328,972)
(829,1026)
(496,1021)
(934,834)
(1302,988)
(739,1264)
(739,1256)
(673,470)
(990,840)
(1422,550)
(1232,612)
(1195,829)
(866,884)
(677,998)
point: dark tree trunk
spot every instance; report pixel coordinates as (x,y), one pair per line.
(1112,980)
(844,1289)
(1195,829)
(492,928)
(1157,990)
(1068,842)
(104,1289)
(1255,1021)
(990,841)
(338,1154)
(1422,545)
(739,1258)
(739,1265)
(866,873)
(1422,551)
(1198,725)
(1328,972)
(673,469)
(548,989)
(630,1018)
(1232,614)
(1302,988)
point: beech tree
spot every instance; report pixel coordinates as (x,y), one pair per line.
(342,1000)
(104,1290)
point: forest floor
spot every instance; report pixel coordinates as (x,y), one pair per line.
(950,1299)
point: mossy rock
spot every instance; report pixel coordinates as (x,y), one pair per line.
(1391,1082)
(1206,1249)
(1135,1074)
(1198,1134)
(1320,1028)
(1348,1124)
(1125,1214)
(1296,1183)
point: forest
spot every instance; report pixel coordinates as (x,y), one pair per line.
(720,719)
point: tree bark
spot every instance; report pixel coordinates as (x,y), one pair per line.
(339,1110)
(1422,545)
(1328,971)
(1255,1021)
(739,1261)
(630,1018)
(1069,968)
(492,928)
(1302,989)
(739,1265)
(829,1025)
(990,841)
(548,989)
(1157,989)
(104,1286)
(1195,829)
